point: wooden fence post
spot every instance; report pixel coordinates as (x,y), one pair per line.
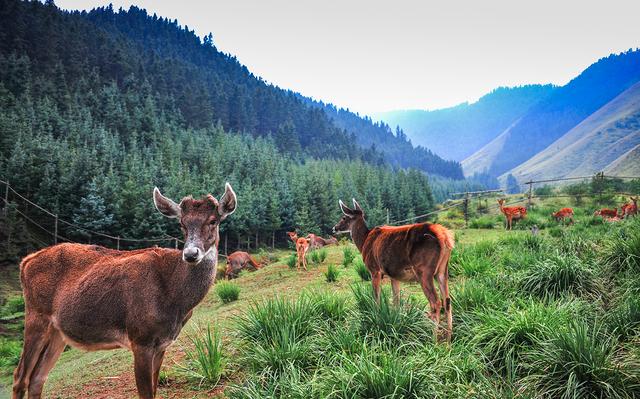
(387,216)
(225,244)
(530,193)
(466,210)
(176,243)
(55,230)
(6,198)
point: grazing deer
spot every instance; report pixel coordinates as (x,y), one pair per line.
(606,213)
(95,298)
(417,252)
(239,261)
(629,209)
(562,214)
(316,242)
(512,213)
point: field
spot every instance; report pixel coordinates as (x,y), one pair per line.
(551,315)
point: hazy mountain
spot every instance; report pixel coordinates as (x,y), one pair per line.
(457,132)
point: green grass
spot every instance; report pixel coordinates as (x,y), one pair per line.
(348,255)
(361,270)
(332,274)
(205,360)
(227,291)
(292,261)
(318,256)
(558,275)
(9,354)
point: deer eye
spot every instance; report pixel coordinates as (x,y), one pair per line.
(212,221)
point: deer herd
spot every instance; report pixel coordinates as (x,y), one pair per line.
(94,298)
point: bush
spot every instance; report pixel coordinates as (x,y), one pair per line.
(227,291)
(362,270)
(318,256)
(558,275)
(9,354)
(348,255)
(292,261)
(581,362)
(331,275)
(205,359)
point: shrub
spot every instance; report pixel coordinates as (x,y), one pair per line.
(348,255)
(557,275)
(205,359)
(331,275)
(9,354)
(227,291)
(581,361)
(362,270)
(318,256)
(292,261)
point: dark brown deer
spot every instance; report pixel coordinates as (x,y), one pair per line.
(95,298)
(238,261)
(417,252)
(316,242)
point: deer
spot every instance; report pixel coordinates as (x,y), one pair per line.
(239,261)
(316,242)
(606,213)
(94,298)
(416,252)
(512,213)
(562,214)
(302,247)
(630,208)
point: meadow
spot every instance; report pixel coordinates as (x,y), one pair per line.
(553,315)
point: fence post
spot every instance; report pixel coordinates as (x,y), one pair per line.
(6,198)
(55,230)
(466,210)
(176,243)
(225,244)
(118,243)
(530,193)
(387,216)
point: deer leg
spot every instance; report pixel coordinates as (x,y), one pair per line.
(376,279)
(443,282)
(54,347)
(35,328)
(434,303)
(395,287)
(157,363)
(143,368)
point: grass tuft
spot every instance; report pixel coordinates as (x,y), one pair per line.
(348,255)
(332,273)
(362,270)
(292,261)
(228,291)
(557,275)
(205,359)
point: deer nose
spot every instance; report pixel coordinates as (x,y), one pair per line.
(191,254)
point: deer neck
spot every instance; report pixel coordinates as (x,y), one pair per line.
(192,282)
(359,233)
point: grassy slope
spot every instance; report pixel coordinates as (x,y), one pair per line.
(101,374)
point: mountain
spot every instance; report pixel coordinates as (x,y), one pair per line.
(627,165)
(457,132)
(609,136)
(556,114)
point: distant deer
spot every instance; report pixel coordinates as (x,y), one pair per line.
(417,252)
(95,298)
(316,242)
(512,213)
(629,209)
(302,247)
(562,214)
(606,213)
(239,261)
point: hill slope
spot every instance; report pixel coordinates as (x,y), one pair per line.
(457,132)
(558,113)
(627,165)
(593,144)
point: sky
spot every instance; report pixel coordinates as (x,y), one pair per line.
(373,56)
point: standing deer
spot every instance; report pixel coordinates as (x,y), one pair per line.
(562,214)
(606,213)
(416,252)
(630,208)
(95,298)
(237,262)
(316,242)
(302,247)
(512,213)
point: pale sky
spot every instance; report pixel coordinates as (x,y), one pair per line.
(373,56)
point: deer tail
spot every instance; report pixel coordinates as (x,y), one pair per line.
(254,263)
(444,236)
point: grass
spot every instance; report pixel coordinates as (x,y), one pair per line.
(332,274)
(205,361)
(348,255)
(361,270)
(319,256)
(558,275)
(227,291)
(9,354)
(292,261)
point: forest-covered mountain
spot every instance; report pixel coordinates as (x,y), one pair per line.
(457,132)
(96,108)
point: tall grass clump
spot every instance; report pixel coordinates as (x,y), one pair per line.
(483,222)
(228,291)
(13,307)
(348,255)
(331,275)
(290,383)
(205,361)
(9,354)
(624,319)
(557,275)
(469,264)
(330,306)
(319,255)
(622,249)
(362,270)
(475,294)
(581,361)
(292,261)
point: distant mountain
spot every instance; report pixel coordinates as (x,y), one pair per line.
(457,132)
(627,165)
(610,136)
(557,114)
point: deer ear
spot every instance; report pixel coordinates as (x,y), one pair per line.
(165,205)
(356,205)
(228,202)
(345,209)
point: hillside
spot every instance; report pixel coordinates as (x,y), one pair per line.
(457,132)
(627,165)
(603,138)
(556,114)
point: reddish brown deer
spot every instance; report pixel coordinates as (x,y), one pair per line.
(630,208)
(512,213)
(239,261)
(302,247)
(417,252)
(606,213)
(316,242)
(562,214)
(95,298)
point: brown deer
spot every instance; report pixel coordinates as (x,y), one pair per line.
(417,252)
(606,213)
(630,208)
(302,247)
(512,213)
(316,242)
(562,214)
(95,298)
(239,261)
